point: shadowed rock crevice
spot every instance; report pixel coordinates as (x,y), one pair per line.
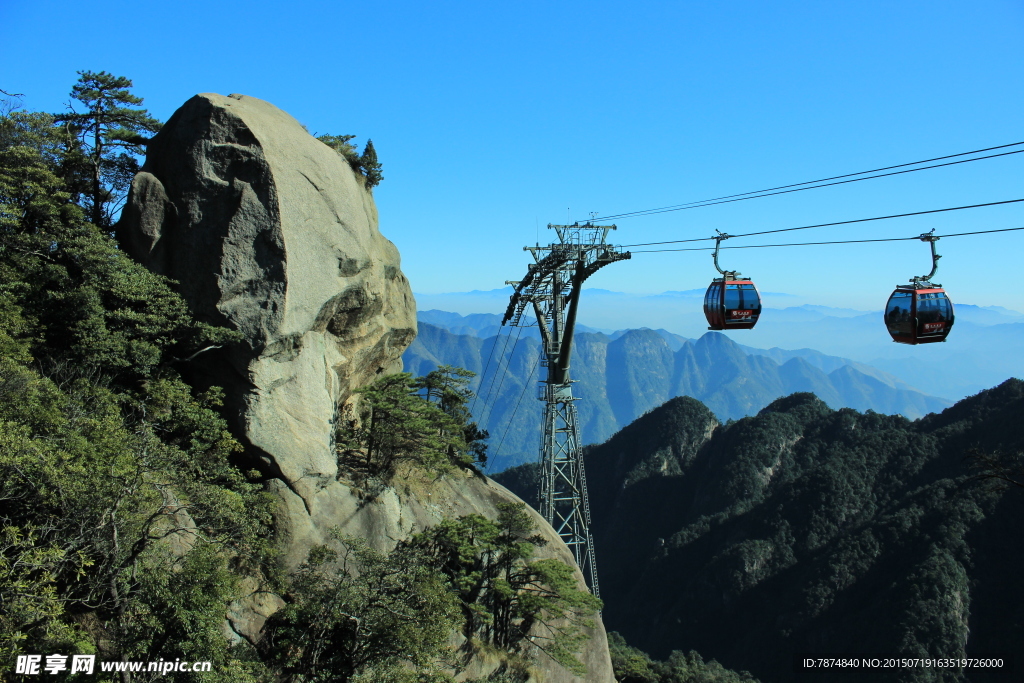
(347,267)
(344,314)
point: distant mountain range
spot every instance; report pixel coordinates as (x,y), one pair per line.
(481,324)
(625,374)
(985,348)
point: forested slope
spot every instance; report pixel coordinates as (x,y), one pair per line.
(809,530)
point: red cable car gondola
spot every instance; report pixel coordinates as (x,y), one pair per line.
(731,302)
(920,313)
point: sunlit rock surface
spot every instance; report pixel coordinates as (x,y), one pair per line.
(269,231)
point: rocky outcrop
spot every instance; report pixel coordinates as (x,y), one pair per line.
(418,503)
(269,232)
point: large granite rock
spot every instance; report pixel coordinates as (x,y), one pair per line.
(269,232)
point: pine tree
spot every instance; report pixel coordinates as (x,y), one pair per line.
(371,167)
(395,425)
(509,600)
(365,164)
(448,388)
(356,614)
(341,145)
(113,133)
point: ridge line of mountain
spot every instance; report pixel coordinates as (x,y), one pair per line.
(622,378)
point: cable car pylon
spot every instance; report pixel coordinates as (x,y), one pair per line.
(552,288)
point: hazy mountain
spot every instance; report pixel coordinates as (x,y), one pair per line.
(480,324)
(623,376)
(808,530)
(985,348)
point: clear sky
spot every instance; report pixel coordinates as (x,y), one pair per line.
(491,119)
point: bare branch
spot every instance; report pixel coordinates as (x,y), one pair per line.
(204,350)
(1001,469)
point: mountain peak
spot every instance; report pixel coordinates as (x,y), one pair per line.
(1000,404)
(641,333)
(800,404)
(717,339)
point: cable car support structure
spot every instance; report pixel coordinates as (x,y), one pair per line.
(552,289)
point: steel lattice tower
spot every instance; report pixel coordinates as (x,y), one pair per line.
(552,286)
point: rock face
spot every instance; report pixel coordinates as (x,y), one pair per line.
(269,232)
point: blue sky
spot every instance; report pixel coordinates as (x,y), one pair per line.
(493,119)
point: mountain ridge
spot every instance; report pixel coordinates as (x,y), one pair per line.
(986,347)
(620,378)
(809,530)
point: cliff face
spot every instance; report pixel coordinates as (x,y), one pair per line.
(269,232)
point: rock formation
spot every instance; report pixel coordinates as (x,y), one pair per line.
(269,232)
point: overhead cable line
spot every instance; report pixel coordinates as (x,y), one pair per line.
(784,189)
(808,244)
(508,363)
(825,225)
(483,374)
(490,387)
(515,410)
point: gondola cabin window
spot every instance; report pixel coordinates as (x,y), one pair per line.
(712,296)
(741,303)
(933,312)
(898,316)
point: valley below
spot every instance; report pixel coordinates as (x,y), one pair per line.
(627,373)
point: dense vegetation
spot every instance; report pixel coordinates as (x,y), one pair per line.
(632,665)
(355,613)
(129,521)
(126,527)
(508,600)
(809,530)
(404,419)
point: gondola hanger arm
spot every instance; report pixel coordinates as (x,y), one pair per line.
(931,238)
(718,242)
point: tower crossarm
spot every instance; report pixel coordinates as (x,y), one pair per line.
(551,288)
(563,266)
